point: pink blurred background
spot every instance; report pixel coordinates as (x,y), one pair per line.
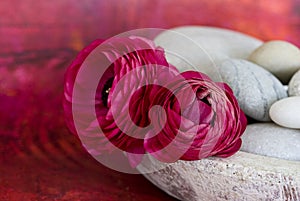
(39,159)
(31,24)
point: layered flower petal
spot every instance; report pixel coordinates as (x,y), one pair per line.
(116,57)
(211,120)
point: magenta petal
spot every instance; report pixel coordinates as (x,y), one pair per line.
(134,159)
(215,113)
(230,150)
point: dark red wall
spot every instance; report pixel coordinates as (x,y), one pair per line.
(33,24)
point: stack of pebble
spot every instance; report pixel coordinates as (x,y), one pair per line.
(267,86)
(263,76)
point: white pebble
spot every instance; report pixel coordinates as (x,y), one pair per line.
(269,139)
(279,57)
(286,112)
(294,85)
(204,48)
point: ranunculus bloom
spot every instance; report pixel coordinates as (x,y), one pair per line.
(211,118)
(123,54)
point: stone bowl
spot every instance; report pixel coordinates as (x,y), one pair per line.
(244,176)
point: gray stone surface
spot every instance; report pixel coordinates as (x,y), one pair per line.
(294,85)
(242,177)
(255,88)
(203,48)
(269,139)
(286,112)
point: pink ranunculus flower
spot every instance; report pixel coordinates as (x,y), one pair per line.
(211,117)
(124,55)
(69,81)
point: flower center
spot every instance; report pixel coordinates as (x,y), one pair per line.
(106,90)
(203,95)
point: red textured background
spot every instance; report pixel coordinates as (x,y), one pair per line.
(39,159)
